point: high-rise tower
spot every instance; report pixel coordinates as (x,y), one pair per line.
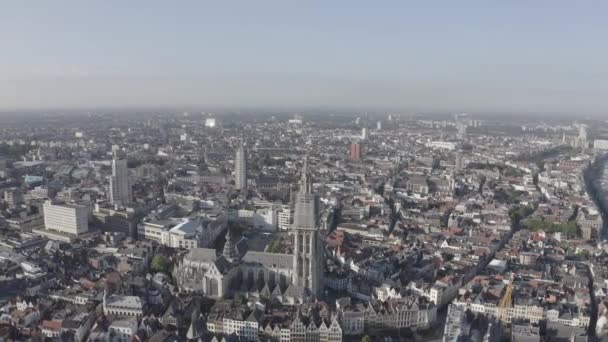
(120,187)
(355,151)
(240,168)
(364,133)
(582,136)
(308,253)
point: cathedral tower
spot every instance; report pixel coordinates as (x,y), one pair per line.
(308,252)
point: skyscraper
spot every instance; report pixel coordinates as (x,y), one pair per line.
(355,151)
(308,255)
(582,136)
(240,168)
(364,133)
(120,187)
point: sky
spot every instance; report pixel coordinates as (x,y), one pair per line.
(455,56)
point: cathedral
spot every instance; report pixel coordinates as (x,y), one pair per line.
(290,279)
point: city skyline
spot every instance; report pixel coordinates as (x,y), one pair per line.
(303,228)
(312,171)
(472,57)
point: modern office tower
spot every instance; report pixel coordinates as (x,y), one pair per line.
(13,197)
(379,125)
(461,128)
(120,187)
(459,163)
(582,132)
(355,151)
(582,137)
(66,218)
(308,254)
(364,133)
(240,168)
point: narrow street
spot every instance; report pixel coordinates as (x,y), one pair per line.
(592,176)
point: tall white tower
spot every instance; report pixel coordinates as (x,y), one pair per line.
(582,136)
(308,252)
(120,187)
(240,168)
(364,133)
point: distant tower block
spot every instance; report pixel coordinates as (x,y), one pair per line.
(379,125)
(364,133)
(240,168)
(120,187)
(582,136)
(355,151)
(210,122)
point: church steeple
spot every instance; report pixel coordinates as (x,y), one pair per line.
(305,182)
(307,249)
(230,251)
(306,206)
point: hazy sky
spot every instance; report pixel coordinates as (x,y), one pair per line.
(500,56)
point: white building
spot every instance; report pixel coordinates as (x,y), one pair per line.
(285,218)
(155,230)
(247,329)
(210,122)
(447,145)
(118,305)
(400,313)
(442,293)
(184,233)
(122,330)
(533,313)
(39,193)
(600,144)
(352,318)
(265,219)
(71,219)
(13,197)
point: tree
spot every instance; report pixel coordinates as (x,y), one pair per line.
(519,213)
(161,263)
(569,228)
(366,338)
(240,298)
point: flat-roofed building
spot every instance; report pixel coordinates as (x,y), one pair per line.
(66,218)
(118,305)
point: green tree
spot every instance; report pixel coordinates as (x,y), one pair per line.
(271,246)
(519,213)
(569,228)
(366,338)
(161,263)
(240,298)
